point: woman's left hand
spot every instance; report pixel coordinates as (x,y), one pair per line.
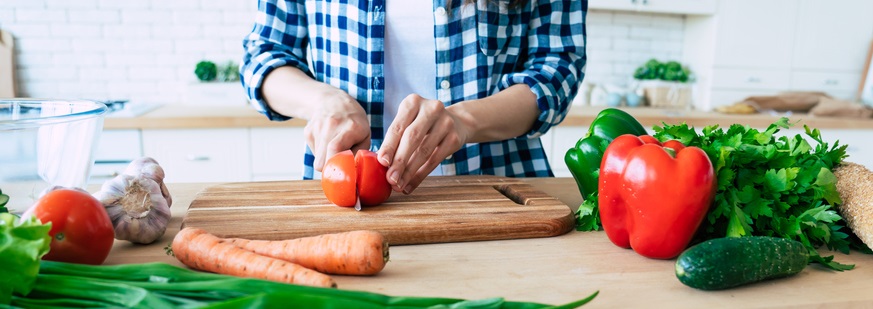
(421,136)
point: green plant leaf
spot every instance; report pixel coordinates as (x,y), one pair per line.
(22,245)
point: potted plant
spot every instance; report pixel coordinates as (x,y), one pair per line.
(217,84)
(665,84)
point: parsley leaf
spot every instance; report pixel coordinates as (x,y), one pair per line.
(772,185)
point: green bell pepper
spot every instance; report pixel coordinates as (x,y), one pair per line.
(584,159)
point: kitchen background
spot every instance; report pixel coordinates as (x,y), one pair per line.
(146,51)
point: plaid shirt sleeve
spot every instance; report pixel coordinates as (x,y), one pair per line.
(278,38)
(555,67)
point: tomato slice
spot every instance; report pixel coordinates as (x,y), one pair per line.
(373,187)
(338,179)
(346,178)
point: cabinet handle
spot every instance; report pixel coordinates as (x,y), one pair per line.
(831,82)
(753,79)
(110,175)
(197,158)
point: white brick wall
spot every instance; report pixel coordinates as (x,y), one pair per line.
(619,42)
(146,50)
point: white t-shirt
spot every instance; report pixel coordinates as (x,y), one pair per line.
(410,60)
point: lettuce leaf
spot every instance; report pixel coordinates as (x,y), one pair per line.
(22,245)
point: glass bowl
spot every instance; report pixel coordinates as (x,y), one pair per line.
(45,143)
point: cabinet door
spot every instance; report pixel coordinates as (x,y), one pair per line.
(277,153)
(117,148)
(833,35)
(563,138)
(200,155)
(755,33)
(837,84)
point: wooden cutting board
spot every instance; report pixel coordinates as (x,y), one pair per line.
(442,209)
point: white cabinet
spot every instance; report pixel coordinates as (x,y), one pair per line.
(563,138)
(116,149)
(200,155)
(763,47)
(277,153)
(755,34)
(833,35)
(689,7)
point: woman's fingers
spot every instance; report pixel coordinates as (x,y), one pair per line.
(425,151)
(404,135)
(406,113)
(449,144)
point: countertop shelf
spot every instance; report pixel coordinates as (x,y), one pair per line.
(198,116)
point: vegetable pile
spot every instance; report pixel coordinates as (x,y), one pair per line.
(766,186)
(25,282)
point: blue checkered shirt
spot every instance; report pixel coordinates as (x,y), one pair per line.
(481,49)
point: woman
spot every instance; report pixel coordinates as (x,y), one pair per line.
(438,87)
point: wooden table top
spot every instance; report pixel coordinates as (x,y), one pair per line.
(558,270)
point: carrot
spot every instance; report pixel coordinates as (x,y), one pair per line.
(348,253)
(200,250)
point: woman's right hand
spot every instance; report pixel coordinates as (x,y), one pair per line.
(339,123)
(335,120)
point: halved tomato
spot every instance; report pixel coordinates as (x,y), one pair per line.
(348,177)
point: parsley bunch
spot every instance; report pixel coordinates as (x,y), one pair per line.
(772,186)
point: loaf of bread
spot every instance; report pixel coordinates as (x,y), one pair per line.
(855,184)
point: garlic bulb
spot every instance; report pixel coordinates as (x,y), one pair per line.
(150,168)
(136,206)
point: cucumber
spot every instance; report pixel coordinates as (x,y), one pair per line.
(728,262)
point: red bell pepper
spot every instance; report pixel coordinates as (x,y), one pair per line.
(653,197)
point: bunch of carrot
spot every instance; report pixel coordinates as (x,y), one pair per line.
(305,261)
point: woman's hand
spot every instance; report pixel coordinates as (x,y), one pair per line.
(335,120)
(339,124)
(422,134)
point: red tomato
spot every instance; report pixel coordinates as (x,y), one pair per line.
(373,187)
(347,177)
(81,229)
(338,179)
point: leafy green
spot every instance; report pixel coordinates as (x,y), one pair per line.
(669,71)
(587,216)
(161,285)
(22,245)
(206,70)
(3,200)
(772,186)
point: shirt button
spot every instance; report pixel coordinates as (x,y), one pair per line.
(445,84)
(440,11)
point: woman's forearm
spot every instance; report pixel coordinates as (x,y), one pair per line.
(507,114)
(292,93)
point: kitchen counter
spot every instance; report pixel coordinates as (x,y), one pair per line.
(201,116)
(557,270)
